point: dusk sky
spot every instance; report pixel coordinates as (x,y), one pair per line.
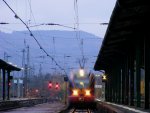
(34,12)
(91,13)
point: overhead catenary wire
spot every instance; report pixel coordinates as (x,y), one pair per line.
(53,58)
(32,35)
(31,14)
(78,34)
(53,24)
(39,24)
(16,16)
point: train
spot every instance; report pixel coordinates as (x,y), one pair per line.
(81,89)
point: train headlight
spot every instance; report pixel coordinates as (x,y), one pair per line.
(81,72)
(87,93)
(75,92)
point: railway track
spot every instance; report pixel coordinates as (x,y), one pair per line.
(74,110)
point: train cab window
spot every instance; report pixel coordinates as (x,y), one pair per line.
(81,83)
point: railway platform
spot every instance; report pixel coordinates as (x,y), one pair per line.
(109,107)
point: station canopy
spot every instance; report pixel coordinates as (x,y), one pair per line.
(7,66)
(129,20)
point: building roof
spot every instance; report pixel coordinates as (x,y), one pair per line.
(7,66)
(129,21)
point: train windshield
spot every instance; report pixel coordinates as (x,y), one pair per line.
(81,83)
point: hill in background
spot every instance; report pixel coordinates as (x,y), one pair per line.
(64,46)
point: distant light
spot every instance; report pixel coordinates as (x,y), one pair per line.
(9,84)
(104,77)
(36,90)
(50,84)
(81,72)
(22,68)
(56,86)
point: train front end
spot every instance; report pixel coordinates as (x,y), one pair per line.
(81,91)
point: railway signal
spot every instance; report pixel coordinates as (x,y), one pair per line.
(57,86)
(50,84)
